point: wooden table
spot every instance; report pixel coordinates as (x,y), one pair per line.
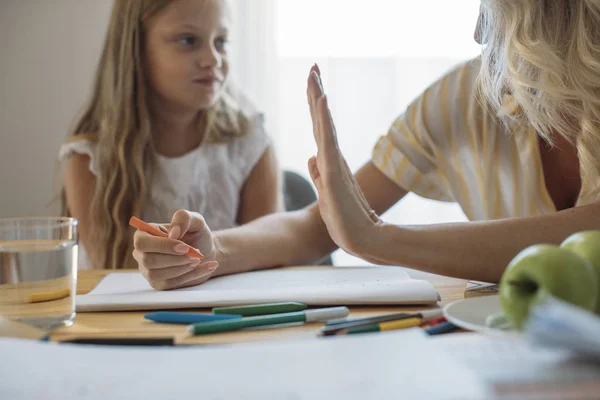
(133,325)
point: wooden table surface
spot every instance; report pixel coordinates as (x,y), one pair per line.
(133,325)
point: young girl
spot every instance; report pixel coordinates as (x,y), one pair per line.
(164,131)
(522,159)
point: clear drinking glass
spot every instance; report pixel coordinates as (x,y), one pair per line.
(38,270)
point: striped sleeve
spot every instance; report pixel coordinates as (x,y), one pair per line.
(413,153)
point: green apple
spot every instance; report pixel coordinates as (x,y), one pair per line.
(541,270)
(587,245)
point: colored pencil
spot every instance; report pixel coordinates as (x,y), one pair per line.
(143,226)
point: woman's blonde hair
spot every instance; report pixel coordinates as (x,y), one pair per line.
(117,118)
(546,54)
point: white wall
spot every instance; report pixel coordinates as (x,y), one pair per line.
(48,52)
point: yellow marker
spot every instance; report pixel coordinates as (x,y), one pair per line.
(401,324)
(47,296)
(387,326)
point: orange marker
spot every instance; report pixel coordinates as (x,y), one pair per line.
(143,226)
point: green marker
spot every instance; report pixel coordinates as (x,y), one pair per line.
(261,309)
(322,314)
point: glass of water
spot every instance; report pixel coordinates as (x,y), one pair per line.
(38,270)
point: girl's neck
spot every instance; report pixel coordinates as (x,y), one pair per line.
(177,132)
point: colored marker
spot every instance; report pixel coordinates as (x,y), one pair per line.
(346,323)
(167,317)
(143,226)
(444,327)
(342,328)
(261,309)
(385,326)
(158,341)
(317,315)
(47,296)
(436,321)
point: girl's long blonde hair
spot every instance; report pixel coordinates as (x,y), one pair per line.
(117,118)
(546,54)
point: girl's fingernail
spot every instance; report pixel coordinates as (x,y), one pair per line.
(195,263)
(182,248)
(211,265)
(175,232)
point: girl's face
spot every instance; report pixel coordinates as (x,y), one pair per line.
(185,53)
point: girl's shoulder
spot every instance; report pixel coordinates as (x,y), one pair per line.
(235,116)
(81,144)
(249,124)
(247,139)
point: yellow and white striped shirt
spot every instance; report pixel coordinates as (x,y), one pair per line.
(447,147)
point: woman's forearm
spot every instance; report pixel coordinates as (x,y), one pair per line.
(291,238)
(474,250)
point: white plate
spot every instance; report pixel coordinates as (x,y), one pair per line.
(471,314)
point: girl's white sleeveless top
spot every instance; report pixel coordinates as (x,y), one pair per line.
(208,179)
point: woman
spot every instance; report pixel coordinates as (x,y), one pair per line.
(512,137)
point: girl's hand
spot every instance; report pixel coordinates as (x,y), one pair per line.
(163,261)
(350,221)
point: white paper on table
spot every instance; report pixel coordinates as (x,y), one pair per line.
(557,324)
(513,368)
(392,365)
(327,286)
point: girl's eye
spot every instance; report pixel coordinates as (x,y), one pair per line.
(221,43)
(187,40)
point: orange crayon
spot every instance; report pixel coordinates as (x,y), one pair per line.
(143,226)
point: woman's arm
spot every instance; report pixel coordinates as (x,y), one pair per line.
(261,194)
(294,238)
(474,250)
(79,184)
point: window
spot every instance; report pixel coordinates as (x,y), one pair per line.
(376,56)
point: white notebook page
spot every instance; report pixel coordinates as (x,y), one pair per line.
(327,286)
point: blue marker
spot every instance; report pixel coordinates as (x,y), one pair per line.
(167,317)
(439,329)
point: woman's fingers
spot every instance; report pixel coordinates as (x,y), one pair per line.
(315,91)
(326,126)
(310,97)
(356,189)
(313,170)
(330,158)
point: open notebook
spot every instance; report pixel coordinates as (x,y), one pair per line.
(326,286)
